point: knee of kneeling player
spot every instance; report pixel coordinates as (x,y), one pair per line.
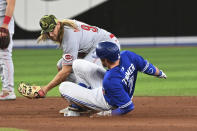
(80,66)
(63,87)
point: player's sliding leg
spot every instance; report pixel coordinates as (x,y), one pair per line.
(90,98)
(89,92)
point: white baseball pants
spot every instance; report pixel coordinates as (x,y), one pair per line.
(6,63)
(91,75)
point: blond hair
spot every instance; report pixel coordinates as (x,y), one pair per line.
(64,22)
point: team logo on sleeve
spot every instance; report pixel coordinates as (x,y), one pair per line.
(67,57)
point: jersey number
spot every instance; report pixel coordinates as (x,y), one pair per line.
(88,28)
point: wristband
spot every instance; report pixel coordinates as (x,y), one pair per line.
(160,73)
(6,20)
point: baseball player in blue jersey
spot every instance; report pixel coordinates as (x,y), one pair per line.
(108,92)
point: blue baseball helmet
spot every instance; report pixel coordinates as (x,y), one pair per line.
(108,50)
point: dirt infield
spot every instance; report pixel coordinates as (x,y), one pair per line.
(150,114)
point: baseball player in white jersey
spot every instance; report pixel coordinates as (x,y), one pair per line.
(77,39)
(6,63)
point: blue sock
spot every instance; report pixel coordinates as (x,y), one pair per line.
(75,106)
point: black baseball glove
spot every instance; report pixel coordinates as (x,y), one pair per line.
(4,38)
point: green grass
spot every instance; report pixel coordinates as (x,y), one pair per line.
(36,66)
(10,129)
(179,64)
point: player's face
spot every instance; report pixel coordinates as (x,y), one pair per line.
(54,34)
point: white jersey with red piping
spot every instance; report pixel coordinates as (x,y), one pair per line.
(82,40)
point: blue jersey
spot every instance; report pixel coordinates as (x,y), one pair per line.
(119,82)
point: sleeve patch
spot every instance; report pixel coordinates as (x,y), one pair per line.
(67,57)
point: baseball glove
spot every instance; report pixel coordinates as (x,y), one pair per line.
(30,91)
(4,38)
